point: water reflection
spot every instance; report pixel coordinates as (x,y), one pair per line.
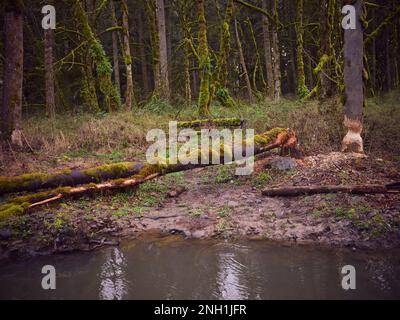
(113,282)
(207,270)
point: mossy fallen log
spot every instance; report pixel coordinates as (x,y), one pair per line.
(293,191)
(35,181)
(212,123)
(277,137)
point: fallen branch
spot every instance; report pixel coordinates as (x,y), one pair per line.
(294,191)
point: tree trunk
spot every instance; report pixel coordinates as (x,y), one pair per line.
(353,81)
(302,89)
(142,52)
(243,62)
(164,90)
(267,51)
(110,97)
(11,108)
(276,53)
(294,191)
(129,94)
(204,63)
(49,72)
(328,8)
(115,50)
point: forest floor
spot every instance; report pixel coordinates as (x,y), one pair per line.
(211,202)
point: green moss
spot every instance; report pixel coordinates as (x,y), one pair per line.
(116,169)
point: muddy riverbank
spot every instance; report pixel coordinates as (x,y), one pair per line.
(213,203)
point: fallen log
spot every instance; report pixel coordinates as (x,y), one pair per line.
(35,181)
(212,123)
(276,137)
(293,191)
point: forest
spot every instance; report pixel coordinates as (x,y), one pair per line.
(84,81)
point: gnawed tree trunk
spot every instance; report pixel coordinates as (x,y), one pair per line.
(11,107)
(267,51)
(277,137)
(294,191)
(354,85)
(164,90)
(129,94)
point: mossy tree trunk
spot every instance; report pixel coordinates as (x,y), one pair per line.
(204,63)
(302,89)
(49,72)
(353,81)
(129,93)
(114,40)
(324,70)
(274,138)
(110,98)
(11,107)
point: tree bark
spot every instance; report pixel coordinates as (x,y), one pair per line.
(353,81)
(294,191)
(164,72)
(204,63)
(243,62)
(129,94)
(49,73)
(276,53)
(11,108)
(114,39)
(302,89)
(267,51)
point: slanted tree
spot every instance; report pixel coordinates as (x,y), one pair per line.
(11,107)
(353,81)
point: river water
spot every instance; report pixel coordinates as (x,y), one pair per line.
(177,269)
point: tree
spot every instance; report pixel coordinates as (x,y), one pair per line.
(114,40)
(204,63)
(353,81)
(49,72)
(164,90)
(276,54)
(129,94)
(11,107)
(267,51)
(302,89)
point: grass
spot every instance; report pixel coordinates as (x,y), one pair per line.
(122,135)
